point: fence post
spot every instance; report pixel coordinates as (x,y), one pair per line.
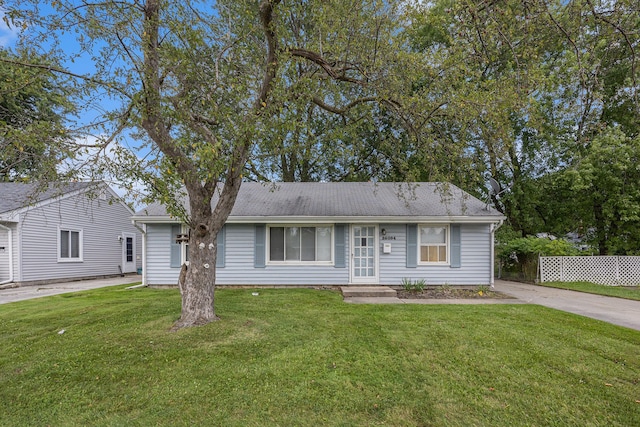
(562,269)
(617,271)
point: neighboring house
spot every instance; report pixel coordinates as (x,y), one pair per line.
(336,234)
(65,232)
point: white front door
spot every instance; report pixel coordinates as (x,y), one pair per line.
(128,252)
(364,254)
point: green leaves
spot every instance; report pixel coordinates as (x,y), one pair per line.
(33,134)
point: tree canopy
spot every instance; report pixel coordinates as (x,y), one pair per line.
(33,112)
(206,87)
(194,97)
(528,88)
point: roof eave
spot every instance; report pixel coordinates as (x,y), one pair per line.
(445,219)
(364,219)
(155,219)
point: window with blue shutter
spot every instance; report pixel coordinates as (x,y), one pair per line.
(221,241)
(339,246)
(412,245)
(259,251)
(175,248)
(455,246)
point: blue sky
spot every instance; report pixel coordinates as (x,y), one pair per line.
(8,39)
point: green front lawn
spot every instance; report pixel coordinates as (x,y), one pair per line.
(304,358)
(627,292)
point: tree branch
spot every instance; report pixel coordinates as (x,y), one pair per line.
(627,41)
(152,120)
(266,17)
(62,71)
(341,111)
(329,68)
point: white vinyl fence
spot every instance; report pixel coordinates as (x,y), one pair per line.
(605,270)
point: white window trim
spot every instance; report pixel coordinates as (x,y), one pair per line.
(80,245)
(447,243)
(323,263)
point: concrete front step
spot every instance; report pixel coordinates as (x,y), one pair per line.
(367,291)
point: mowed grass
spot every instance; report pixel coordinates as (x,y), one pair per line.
(627,292)
(303,357)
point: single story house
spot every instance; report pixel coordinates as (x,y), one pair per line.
(64,232)
(346,233)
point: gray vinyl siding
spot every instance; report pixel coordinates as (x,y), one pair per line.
(475,262)
(159,270)
(100,222)
(239,263)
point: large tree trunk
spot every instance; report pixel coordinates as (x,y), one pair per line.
(197,282)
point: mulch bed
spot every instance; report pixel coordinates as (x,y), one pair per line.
(450,293)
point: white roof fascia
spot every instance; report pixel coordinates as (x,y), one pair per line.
(337,219)
(11,216)
(363,219)
(144,219)
(115,196)
(17,212)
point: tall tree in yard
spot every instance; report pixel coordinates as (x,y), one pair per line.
(526,86)
(33,135)
(204,83)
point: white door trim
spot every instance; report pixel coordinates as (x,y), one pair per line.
(371,280)
(128,267)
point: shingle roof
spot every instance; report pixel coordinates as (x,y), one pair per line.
(15,196)
(349,199)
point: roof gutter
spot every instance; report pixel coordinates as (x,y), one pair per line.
(10,235)
(292,219)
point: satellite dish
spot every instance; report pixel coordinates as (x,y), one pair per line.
(495,186)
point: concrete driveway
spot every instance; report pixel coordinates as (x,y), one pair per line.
(618,311)
(36,291)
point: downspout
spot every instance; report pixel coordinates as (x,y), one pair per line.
(143,230)
(144,255)
(494,227)
(10,236)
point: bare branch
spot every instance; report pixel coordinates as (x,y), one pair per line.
(629,43)
(62,71)
(329,68)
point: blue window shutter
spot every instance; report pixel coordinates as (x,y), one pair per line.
(455,246)
(260,250)
(221,241)
(339,247)
(176,253)
(412,245)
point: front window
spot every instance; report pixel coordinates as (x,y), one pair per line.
(300,244)
(433,244)
(69,245)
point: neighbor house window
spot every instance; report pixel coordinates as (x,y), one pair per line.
(433,241)
(70,245)
(300,244)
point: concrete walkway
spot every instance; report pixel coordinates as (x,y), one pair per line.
(21,293)
(619,311)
